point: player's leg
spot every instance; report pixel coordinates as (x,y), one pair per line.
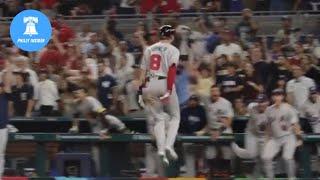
(115,123)
(270,150)
(289,149)
(173,110)
(3,145)
(251,147)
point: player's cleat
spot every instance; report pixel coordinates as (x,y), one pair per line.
(12,129)
(164,160)
(172,155)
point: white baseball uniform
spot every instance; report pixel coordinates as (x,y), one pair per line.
(156,62)
(254,137)
(280,120)
(217,110)
(311,111)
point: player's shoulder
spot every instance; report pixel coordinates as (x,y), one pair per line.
(224,101)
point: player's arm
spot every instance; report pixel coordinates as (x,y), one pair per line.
(172,72)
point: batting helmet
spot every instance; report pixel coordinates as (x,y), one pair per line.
(166,31)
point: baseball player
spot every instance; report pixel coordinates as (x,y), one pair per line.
(90,108)
(220,114)
(282,128)
(311,111)
(254,134)
(158,71)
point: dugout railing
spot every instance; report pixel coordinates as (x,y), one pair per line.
(110,147)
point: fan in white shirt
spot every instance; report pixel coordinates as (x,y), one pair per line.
(47,95)
(227,47)
(298,88)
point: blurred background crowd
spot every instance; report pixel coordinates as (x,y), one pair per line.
(97,7)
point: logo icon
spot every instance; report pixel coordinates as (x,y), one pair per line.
(31,25)
(30,30)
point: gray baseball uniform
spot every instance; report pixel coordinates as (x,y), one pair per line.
(280,120)
(91,105)
(311,111)
(156,62)
(217,110)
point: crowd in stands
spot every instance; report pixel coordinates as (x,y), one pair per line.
(96,7)
(106,63)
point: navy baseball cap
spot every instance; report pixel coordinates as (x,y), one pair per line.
(194,97)
(313,90)
(261,98)
(278,92)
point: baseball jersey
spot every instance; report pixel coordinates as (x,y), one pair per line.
(281,119)
(158,58)
(218,109)
(311,111)
(87,107)
(258,120)
(300,89)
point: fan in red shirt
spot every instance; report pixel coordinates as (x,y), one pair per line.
(66,33)
(164,6)
(51,56)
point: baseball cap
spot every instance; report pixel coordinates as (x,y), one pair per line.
(313,90)
(278,92)
(194,97)
(261,98)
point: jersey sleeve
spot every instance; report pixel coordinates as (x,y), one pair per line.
(293,115)
(289,87)
(174,57)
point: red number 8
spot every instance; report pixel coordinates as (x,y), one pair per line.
(155,61)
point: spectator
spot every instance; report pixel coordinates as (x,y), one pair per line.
(193,119)
(22,101)
(193,116)
(48,95)
(106,88)
(51,56)
(298,88)
(309,66)
(247,29)
(240,108)
(227,47)
(252,84)
(94,44)
(169,6)
(112,29)
(261,67)
(182,82)
(22,64)
(279,73)
(205,82)
(231,85)
(286,30)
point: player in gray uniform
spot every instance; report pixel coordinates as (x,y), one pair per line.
(90,108)
(311,111)
(254,134)
(158,71)
(283,126)
(220,114)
